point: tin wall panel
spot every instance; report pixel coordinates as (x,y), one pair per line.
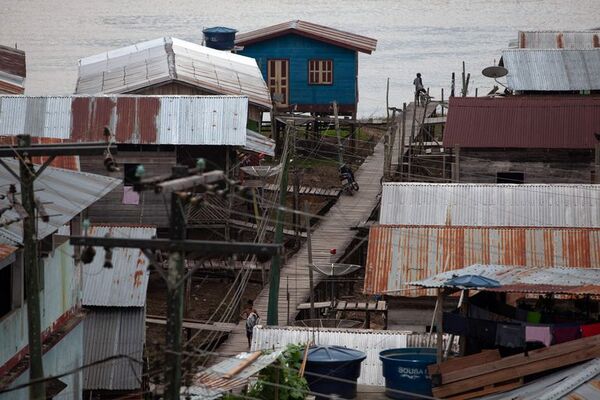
(491,205)
(371,342)
(126,283)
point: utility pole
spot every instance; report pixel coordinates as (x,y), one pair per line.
(27,176)
(272,307)
(175,291)
(337,133)
(178,185)
(310,263)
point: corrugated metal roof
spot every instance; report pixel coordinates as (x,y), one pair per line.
(64,194)
(202,120)
(557,122)
(371,342)
(168,59)
(473,204)
(259,144)
(210,384)
(581,382)
(12,70)
(110,332)
(559,39)
(126,283)
(314,31)
(401,254)
(552,69)
(525,279)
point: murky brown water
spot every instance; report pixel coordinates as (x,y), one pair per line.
(430,36)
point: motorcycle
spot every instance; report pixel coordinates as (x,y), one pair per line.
(349,185)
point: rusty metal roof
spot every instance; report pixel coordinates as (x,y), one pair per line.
(474,204)
(65,162)
(125,284)
(64,194)
(167,59)
(111,332)
(559,39)
(400,254)
(519,279)
(203,120)
(558,122)
(552,70)
(12,70)
(314,31)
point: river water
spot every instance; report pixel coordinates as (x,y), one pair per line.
(428,36)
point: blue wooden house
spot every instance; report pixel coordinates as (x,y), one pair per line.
(308,66)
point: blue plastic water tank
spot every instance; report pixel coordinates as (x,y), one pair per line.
(336,362)
(406,370)
(219,37)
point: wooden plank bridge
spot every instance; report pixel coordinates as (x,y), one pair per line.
(335,231)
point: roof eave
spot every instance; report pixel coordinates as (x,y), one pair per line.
(262,38)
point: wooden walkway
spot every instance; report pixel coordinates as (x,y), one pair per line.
(333,232)
(315,191)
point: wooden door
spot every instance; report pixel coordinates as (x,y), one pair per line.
(278,72)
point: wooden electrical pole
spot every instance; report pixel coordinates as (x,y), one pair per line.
(30,261)
(337,133)
(27,176)
(311,282)
(272,307)
(178,185)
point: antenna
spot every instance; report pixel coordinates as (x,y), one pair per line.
(495,72)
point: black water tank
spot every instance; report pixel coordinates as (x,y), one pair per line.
(219,37)
(339,363)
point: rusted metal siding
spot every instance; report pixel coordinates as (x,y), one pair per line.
(202,120)
(65,162)
(559,39)
(321,33)
(552,70)
(167,60)
(564,122)
(401,254)
(12,70)
(125,284)
(491,205)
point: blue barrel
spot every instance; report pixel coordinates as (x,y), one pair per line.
(219,37)
(406,370)
(338,362)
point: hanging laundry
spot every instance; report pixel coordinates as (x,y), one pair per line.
(590,330)
(534,317)
(538,334)
(521,315)
(510,335)
(562,334)
(454,324)
(482,330)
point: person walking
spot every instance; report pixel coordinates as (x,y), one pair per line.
(419,88)
(252,318)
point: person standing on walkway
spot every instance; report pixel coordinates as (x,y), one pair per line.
(419,88)
(251,316)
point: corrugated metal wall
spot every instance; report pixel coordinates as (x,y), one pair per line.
(400,254)
(464,204)
(368,341)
